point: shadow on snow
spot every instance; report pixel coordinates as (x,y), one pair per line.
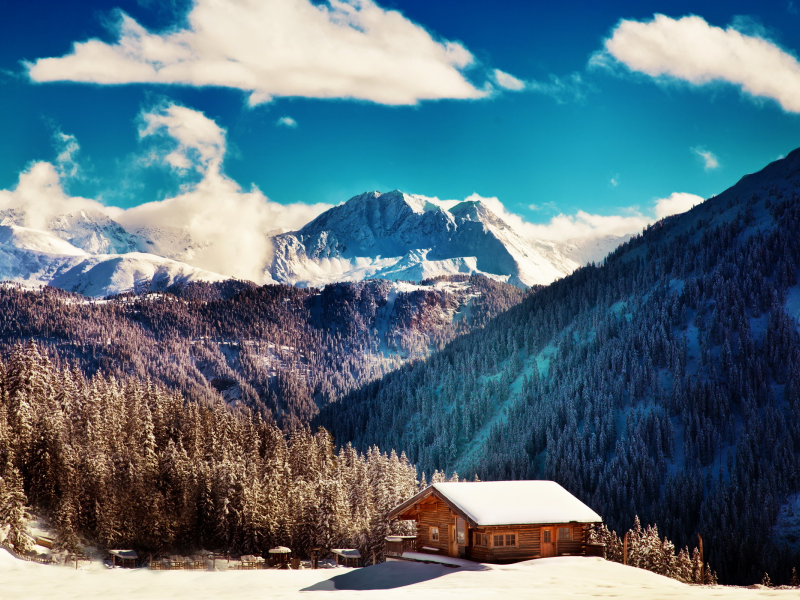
(385,576)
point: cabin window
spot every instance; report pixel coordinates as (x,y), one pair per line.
(480,539)
(434,534)
(504,540)
(546,536)
(564,534)
(461,532)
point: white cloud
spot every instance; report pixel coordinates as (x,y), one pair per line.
(614,181)
(269,48)
(675,203)
(562,89)
(286,122)
(200,141)
(39,195)
(691,50)
(710,161)
(507,81)
(68,147)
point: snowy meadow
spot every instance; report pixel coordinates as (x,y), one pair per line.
(555,578)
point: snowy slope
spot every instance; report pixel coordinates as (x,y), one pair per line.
(24,238)
(91,231)
(564,578)
(87,253)
(41,258)
(104,274)
(401,236)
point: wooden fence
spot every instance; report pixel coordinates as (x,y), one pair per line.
(36,559)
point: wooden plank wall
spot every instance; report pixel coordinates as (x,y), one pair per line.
(528,543)
(441,517)
(528,537)
(575,546)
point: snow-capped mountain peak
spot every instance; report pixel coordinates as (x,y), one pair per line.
(397,235)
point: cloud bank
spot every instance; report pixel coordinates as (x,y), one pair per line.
(226,227)
(691,50)
(269,48)
(586,226)
(39,195)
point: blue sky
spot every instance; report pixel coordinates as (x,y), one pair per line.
(596,128)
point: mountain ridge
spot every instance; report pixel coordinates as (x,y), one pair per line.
(373,233)
(662,384)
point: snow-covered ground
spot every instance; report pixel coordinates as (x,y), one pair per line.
(551,578)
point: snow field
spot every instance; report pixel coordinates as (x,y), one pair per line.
(564,578)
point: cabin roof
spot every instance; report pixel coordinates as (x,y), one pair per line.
(125,554)
(491,503)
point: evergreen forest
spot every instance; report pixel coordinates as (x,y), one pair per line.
(125,463)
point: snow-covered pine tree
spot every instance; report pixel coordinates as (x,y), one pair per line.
(13,514)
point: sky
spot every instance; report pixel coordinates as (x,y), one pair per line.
(574,118)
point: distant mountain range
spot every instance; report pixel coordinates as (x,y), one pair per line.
(393,236)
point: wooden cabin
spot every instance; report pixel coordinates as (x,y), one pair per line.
(499,521)
(124,558)
(347,557)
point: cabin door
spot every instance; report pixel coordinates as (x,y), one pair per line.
(453,542)
(548,541)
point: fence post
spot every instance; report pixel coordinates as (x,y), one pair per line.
(702,560)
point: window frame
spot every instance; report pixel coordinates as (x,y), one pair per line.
(505,535)
(480,540)
(433,533)
(462,535)
(567,537)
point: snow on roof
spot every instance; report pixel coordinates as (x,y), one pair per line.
(126,554)
(346,552)
(516,502)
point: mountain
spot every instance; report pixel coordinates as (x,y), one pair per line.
(394,236)
(91,231)
(87,253)
(281,350)
(400,236)
(664,383)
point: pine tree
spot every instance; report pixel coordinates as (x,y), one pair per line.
(13,515)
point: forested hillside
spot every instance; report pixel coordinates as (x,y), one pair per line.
(665,383)
(281,350)
(124,463)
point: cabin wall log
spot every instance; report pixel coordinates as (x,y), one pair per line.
(440,517)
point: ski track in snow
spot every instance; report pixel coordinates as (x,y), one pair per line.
(564,578)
